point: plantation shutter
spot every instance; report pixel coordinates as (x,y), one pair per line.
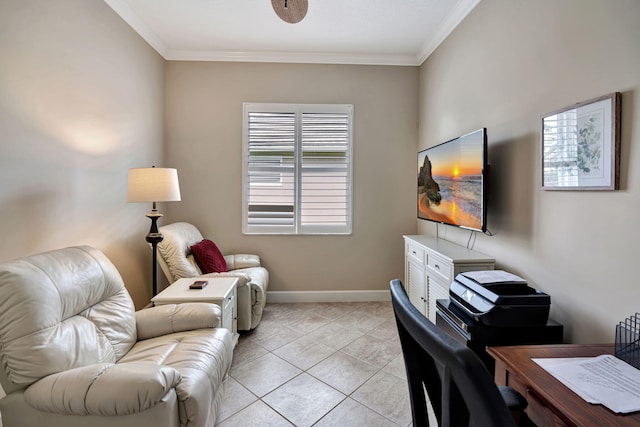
(270,189)
(325,181)
(297,169)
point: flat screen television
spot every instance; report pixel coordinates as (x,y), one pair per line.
(452,182)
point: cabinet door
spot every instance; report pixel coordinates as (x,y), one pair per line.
(437,290)
(416,286)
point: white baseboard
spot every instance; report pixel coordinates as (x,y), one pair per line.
(327,296)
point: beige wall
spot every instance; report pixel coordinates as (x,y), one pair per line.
(204,136)
(82,99)
(81,102)
(508,63)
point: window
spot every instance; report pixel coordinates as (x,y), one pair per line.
(297,168)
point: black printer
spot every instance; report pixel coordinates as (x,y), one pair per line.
(499,298)
(494,307)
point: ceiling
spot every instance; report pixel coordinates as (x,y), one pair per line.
(380,32)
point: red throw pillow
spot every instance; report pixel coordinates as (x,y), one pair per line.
(208,257)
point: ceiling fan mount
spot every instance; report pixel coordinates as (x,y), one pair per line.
(291,11)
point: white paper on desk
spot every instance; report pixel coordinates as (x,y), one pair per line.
(549,362)
(604,379)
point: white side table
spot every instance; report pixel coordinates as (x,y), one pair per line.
(219,290)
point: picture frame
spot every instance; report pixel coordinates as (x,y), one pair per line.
(581,145)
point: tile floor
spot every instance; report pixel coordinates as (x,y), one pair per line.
(324,364)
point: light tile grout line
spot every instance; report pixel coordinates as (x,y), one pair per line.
(280,320)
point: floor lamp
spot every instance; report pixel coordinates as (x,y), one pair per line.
(153,185)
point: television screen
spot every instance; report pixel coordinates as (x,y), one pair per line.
(452,182)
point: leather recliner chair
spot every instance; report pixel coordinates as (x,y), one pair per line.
(74,352)
(176,261)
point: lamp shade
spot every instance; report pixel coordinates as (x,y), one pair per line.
(153,185)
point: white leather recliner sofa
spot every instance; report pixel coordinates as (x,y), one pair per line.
(74,353)
(176,261)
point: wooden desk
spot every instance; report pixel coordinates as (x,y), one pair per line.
(551,403)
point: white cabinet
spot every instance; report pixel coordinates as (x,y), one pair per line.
(219,290)
(430,266)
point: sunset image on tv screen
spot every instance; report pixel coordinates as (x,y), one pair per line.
(450,181)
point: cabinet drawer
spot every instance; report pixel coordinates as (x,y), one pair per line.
(540,413)
(441,267)
(416,251)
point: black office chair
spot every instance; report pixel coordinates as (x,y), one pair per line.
(459,387)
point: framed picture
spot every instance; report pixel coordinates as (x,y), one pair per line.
(581,146)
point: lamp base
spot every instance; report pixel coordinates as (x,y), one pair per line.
(154,237)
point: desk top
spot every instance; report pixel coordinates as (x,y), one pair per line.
(551,392)
(178,292)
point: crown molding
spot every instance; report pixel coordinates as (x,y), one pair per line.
(460,11)
(292,57)
(139,26)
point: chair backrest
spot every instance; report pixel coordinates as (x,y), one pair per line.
(61,310)
(459,387)
(176,259)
